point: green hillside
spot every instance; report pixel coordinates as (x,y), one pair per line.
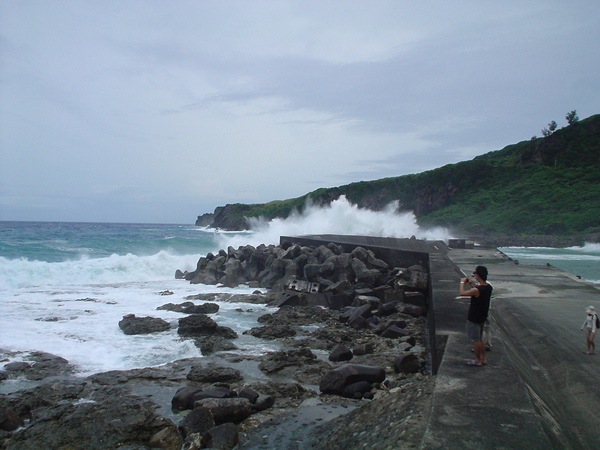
(548,185)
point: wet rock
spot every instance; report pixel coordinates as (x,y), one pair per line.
(184,398)
(340,377)
(271,332)
(407,363)
(411,310)
(198,421)
(202,325)
(356,390)
(340,353)
(212,344)
(167,438)
(212,373)
(117,421)
(130,324)
(226,410)
(38,366)
(224,436)
(276,361)
(10,420)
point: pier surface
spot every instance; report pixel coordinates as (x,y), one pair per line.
(540,390)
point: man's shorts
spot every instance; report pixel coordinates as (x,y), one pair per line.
(474,331)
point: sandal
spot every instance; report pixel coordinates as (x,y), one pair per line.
(474,364)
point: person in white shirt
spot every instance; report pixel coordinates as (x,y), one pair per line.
(590,327)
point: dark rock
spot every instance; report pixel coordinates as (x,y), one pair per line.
(199,420)
(364,349)
(205,308)
(167,438)
(226,409)
(184,398)
(271,332)
(411,310)
(250,394)
(234,273)
(118,419)
(416,298)
(214,392)
(387,309)
(212,344)
(202,325)
(339,301)
(340,353)
(352,313)
(356,390)
(394,332)
(263,402)
(407,363)
(212,373)
(42,365)
(340,377)
(10,420)
(276,361)
(224,436)
(130,324)
(415,277)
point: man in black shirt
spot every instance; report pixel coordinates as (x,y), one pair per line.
(480,294)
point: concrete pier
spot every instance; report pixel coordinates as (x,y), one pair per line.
(540,389)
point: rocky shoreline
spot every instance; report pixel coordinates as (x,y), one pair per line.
(352,365)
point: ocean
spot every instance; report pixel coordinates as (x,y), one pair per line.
(65,286)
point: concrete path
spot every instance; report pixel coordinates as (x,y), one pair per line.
(540,389)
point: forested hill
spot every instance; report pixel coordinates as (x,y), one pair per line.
(545,186)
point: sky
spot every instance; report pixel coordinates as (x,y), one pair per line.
(151,111)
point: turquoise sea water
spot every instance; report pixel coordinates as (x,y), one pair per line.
(582,261)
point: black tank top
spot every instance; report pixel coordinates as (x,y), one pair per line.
(479,307)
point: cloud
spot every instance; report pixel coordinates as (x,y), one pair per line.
(190,105)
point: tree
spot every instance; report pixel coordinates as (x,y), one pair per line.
(551,128)
(572,117)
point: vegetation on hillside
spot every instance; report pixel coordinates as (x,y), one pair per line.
(548,185)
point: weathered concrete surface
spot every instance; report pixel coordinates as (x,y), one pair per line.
(539,389)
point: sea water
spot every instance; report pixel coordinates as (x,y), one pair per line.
(64,287)
(581,261)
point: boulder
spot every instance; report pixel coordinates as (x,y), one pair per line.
(212,344)
(214,392)
(271,332)
(276,361)
(199,420)
(356,390)
(10,420)
(394,332)
(226,409)
(167,438)
(224,437)
(41,365)
(249,393)
(233,273)
(411,310)
(337,379)
(407,363)
(212,373)
(340,353)
(184,398)
(114,421)
(202,325)
(130,324)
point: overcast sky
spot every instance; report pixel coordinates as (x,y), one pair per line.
(158,111)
